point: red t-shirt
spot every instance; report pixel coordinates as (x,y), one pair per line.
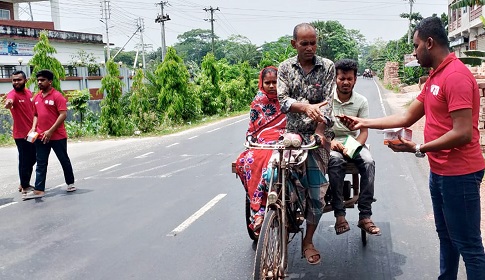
(47,111)
(22,112)
(449,88)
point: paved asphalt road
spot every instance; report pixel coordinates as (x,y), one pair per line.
(169,208)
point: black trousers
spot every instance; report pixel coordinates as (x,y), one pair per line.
(26,161)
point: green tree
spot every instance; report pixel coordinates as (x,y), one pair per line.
(43,58)
(273,53)
(213,101)
(175,99)
(334,41)
(88,60)
(194,44)
(112,119)
(467,3)
(128,58)
(141,99)
(238,49)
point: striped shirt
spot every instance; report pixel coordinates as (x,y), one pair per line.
(356,106)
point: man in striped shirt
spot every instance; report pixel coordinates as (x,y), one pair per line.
(350,103)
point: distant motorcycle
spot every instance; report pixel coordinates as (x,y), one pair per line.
(367,74)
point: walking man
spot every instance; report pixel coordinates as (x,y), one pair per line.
(19,101)
(348,102)
(305,91)
(451,102)
(50,111)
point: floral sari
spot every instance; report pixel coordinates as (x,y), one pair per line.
(266,124)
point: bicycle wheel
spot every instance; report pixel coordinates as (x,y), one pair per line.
(248,220)
(269,250)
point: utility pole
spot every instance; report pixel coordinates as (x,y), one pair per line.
(141,27)
(411,2)
(162,18)
(30,12)
(105,15)
(212,23)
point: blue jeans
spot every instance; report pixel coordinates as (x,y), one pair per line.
(336,175)
(456,206)
(43,151)
(26,161)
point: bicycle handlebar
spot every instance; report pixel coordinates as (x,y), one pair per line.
(315,143)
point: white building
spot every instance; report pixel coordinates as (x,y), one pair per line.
(465,29)
(17,38)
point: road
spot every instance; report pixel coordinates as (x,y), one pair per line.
(169,208)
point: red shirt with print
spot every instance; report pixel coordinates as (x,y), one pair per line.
(47,109)
(22,112)
(449,88)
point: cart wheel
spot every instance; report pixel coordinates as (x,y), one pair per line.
(248,220)
(363,237)
(347,190)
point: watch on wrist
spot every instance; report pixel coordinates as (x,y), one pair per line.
(418,152)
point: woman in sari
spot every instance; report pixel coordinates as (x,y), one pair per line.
(266,125)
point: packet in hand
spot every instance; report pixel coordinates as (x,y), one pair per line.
(31,137)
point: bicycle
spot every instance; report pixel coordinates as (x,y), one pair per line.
(284,209)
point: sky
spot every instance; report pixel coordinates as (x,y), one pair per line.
(259,20)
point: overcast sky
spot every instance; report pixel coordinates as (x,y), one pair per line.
(259,20)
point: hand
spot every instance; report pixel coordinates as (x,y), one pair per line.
(404,147)
(353,123)
(8,103)
(337,146)
(314,113)
(46,136)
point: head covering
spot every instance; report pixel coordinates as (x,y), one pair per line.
(260,84)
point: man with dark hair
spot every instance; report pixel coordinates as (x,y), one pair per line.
(50,111)
(348,102)
(305,91)
(19,101)
(451,102)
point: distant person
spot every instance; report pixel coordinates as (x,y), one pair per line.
(350,103)
(266,125)
(50,111)
(305,90)
(19,101)
(451,102)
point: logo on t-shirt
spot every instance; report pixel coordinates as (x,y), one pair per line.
(51,102)
(435,89)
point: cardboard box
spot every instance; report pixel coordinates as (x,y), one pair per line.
(31,137)
(391,135)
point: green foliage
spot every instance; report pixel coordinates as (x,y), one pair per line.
(128,58)
(88,60)
(194,44)
(113,122)
(466,3)
(238,49)
(90,126)
(43,58)
(334,41)
(411,75)
(276,52)
(213,102)
(78,102)
(142,106)
(175,100)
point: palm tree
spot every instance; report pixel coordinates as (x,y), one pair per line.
(466,3)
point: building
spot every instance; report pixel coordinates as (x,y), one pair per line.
(17,38)
(465,28)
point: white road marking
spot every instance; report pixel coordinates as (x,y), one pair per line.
(144,155)
(56,187)
(131,175)
(214,129)
(197,215)
(172,145)
(108,168)
(190,138)
(380,98)
(8,204)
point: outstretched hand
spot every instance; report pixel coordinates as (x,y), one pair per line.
(404,147)
(353,123)
(314,113)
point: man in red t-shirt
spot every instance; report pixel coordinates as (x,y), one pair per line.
(19,101)
(50,111)
(451,103)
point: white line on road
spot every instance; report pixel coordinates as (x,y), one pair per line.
(380,98)
(144,155)
(196,215)
(190,138)
(108,168)
(8,204)
(214,129)
(172,145)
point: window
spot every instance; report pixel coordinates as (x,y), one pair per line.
(4,14)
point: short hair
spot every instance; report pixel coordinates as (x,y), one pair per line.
(46,74)
(347,65)
(432,27)
(19,72)
(301,26)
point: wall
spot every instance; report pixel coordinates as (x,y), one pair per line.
(391,75)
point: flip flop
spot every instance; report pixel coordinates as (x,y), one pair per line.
(310,251)
(368,226)
(32,195)
(344,225)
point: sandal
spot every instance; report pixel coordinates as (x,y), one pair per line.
(309,251)
(341,227)
(71,188)
(368,226)
(26,190)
